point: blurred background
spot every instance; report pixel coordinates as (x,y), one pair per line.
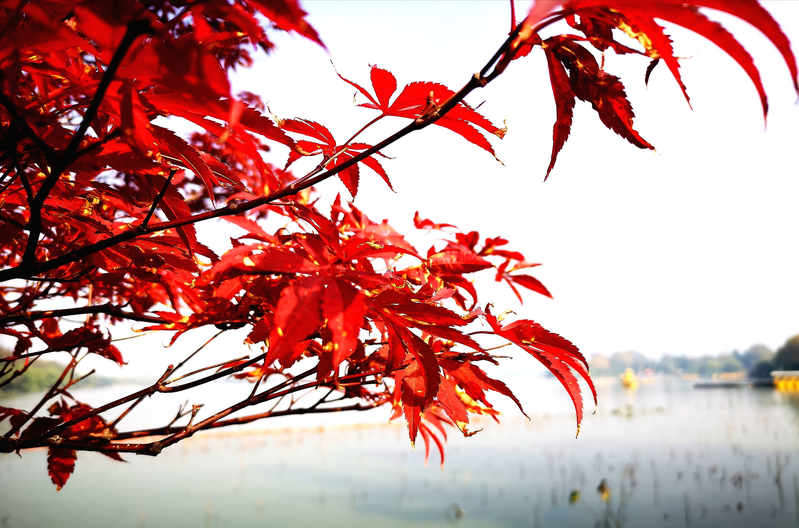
(678,265)
(667,452)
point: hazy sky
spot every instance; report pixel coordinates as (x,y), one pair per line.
(689,250)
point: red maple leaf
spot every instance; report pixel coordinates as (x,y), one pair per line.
(420,99)
(334,154)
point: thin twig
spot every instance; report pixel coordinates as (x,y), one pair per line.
(107,308)
(181,413)
(44,400)
(257,383)
(189,431)
(16,373)
(198,350)
(322,399)
(148,448)
(158,198)
(114,134)
(152,389)
(119,418)
(173,380)
(75,381)
(194,410)
(215,375)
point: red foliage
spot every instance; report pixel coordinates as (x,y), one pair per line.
(99,206)
(596,18)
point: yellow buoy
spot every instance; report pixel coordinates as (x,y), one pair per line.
(628,379)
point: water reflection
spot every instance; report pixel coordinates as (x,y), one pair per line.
(668,455)
(789,399)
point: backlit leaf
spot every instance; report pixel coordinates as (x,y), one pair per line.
(557,354)
(605,92)
(288,16)
(344,308)
(60,465)
(416,99)
(564,106)
(531,283)
(297,315)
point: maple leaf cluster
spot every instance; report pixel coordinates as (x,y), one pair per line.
(575,72)
(99,202)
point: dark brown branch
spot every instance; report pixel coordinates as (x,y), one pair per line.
(215,375)
(311,410)
(147,448)
(36,354)
(107,308)
(5,174)
(51,437)
(10,181)
(44,400)
(99,143)
(159,386)
(23,179)
(53,431)
(124,413)
(179,365)
(17,373)
(173,380)
(25,127)
(188,431)
(270,394)
(136,28)
(158,199)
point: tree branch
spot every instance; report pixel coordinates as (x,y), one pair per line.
(117,132)
(44,400)
(135,29)
(25,127)
(107,308)
(158,199)
(17,373)
(147,448)
(205,368)
(53,431)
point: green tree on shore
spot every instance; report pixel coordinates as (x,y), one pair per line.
(787,356)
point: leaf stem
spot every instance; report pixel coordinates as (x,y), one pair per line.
(158,199)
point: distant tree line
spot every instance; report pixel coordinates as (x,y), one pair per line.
(758,361)
(41,375)
(786,358)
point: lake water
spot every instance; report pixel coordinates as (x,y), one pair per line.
(670,454)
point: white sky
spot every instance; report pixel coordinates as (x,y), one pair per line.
(690,250)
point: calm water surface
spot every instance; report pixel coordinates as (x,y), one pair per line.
(670,454)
